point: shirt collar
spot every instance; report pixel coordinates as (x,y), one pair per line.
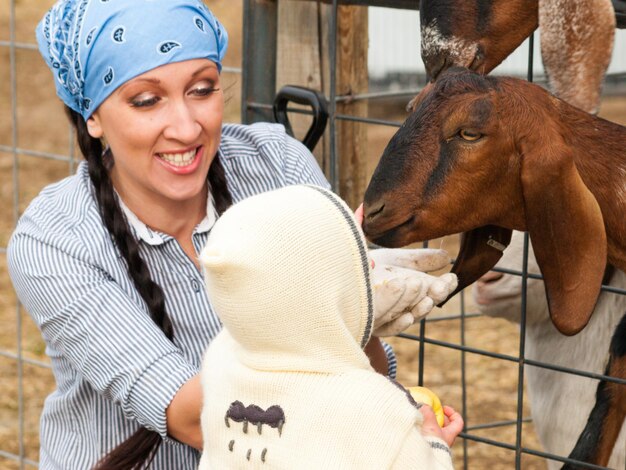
(152,237)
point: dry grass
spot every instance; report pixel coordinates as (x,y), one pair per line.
(491,384)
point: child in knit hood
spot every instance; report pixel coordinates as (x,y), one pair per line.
(286,383)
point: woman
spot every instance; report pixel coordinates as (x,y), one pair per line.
(106,262)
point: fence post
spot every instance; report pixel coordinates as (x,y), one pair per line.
(352,79)
(259,60)
(303,59)
(299,59)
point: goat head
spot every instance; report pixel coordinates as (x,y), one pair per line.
(482,151)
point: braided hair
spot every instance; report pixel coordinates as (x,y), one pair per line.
(139,449)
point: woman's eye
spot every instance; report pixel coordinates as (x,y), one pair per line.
(142,102)
(468,135)
(203,91)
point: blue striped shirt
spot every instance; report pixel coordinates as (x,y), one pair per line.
(115,370)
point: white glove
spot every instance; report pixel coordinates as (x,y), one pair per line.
(403,292)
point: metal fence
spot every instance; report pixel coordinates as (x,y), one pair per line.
(256,104)
(18,417)
(25,375)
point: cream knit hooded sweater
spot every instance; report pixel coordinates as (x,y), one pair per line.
(286,384)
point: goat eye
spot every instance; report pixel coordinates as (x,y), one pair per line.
(469,135)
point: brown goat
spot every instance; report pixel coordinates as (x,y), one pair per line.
(478,34)
(486,155)
(576,39)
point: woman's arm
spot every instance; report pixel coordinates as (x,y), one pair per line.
(183,414)
(89,319)
(377,355)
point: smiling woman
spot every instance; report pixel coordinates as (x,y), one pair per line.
(164,128)
(106,261)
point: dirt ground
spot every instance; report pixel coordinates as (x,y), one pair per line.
(491,385)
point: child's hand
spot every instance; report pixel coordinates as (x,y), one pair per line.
(452,426)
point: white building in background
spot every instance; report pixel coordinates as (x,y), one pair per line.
(394,47)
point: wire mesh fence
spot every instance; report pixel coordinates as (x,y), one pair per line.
(28,163)
(37,147)
(458,319)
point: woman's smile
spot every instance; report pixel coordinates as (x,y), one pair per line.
(181,162)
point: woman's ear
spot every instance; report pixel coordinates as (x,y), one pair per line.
(94,127)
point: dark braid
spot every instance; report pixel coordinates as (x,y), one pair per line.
(219,187)
(115,221)
(143,444)
(138,450)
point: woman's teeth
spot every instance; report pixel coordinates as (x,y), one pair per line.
(179,159)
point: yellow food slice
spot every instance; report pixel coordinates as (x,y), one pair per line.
(426,396)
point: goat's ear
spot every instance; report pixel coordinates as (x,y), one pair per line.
(566,230)
(414,103)
(481,248)
(411,105)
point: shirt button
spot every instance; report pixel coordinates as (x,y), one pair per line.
(195,285)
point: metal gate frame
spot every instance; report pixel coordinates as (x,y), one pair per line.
(259,78)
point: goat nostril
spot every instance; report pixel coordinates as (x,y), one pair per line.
(374,210)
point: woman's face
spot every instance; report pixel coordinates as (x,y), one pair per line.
(164,129)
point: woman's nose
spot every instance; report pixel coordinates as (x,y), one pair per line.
(182,123)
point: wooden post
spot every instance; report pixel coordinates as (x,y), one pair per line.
(299,59)
(352,79)
(302,59)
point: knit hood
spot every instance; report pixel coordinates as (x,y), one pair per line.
(286,383)
(288,274)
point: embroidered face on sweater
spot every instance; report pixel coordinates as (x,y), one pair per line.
(288,274)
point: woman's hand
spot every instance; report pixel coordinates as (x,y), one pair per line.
(403,291)
(452,426)
(183,414)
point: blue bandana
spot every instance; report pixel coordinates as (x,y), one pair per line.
(94,46)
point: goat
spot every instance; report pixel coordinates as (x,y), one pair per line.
(576,39)
(480,152)
(552,394)
(576,42)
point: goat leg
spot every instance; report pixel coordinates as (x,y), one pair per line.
(597,440)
